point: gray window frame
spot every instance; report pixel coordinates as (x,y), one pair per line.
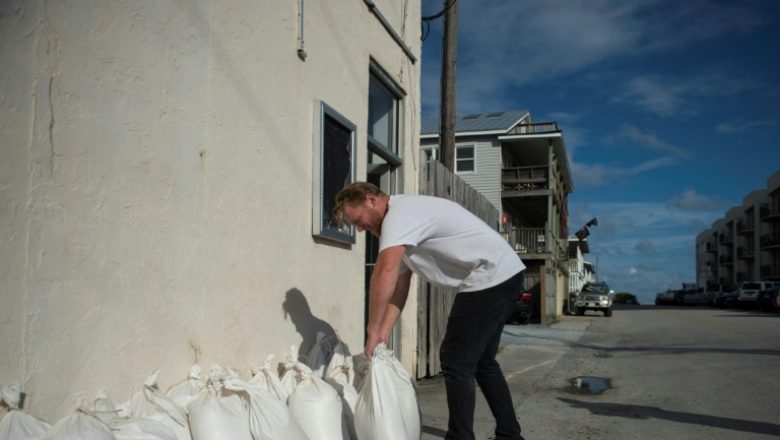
(321,224)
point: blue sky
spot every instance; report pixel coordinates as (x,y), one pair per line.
(670,112)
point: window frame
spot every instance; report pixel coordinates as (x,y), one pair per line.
(473,159)
(390,153)
(346,233)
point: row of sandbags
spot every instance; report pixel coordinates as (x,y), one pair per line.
(290,401)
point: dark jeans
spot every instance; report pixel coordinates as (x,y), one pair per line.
(468,352)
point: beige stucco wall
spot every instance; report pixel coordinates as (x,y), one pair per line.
(156,184)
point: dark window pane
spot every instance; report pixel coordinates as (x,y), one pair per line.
(337,145)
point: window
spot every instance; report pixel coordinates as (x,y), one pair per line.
(334,167)
(384,98)
(464,159)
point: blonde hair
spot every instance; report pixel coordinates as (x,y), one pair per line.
(353,194)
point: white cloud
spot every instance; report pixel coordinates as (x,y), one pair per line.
(679,97)
(690,200)
(593,175)
(734,127)
(645,140)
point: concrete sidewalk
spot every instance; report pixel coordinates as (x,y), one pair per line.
(527,354)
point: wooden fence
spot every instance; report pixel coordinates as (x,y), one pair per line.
(434,303)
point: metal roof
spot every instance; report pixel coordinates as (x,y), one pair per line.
(495,121)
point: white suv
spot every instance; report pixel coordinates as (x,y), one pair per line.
(748,291)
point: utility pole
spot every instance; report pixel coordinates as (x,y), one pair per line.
(447,98)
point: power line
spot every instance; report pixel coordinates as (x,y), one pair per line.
(426,21)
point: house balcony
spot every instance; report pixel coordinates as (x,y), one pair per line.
(532,243)
(726,260)
(726,239)
(770,212)
(536,128)
(524,181)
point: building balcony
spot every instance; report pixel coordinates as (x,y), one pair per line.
(725,239)
(745,227)
(768,272)
(711,247)
(769,212)
(770,242)
(529,240)
(536,128)
(726,260)
(523,179)
(746,252)
(742,276)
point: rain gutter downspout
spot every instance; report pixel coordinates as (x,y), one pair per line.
(372,7)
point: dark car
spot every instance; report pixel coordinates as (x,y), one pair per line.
(522,312)
(727,299)
(768,300)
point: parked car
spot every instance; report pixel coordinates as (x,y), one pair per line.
(727,299)
(769,299)
(595,296)
(694,297)
(522,312)
(748,291)
(670,297)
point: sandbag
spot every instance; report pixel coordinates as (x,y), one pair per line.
(269,417)
(187,390)
(16,424)
(217,413)
(288,375)
(267,378)
(151,404)
(340,376)
(387,407)
(316,406)
(143,429)
(79,426)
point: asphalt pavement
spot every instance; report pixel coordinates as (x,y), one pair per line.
(527,354)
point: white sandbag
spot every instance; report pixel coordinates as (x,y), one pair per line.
(218,414)
(316,406)
(150,403)
(288,377)
(269,417)
(105,409)
(79,426)
(267,378)
(187,390)
(340,376)
(16,424)
(143,429)
(387,404)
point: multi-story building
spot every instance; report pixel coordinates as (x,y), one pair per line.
(523,169)
(744,245)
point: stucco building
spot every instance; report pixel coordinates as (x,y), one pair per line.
(166,178)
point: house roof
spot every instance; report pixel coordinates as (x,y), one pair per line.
(495,121)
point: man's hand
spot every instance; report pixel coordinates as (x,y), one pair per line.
(372,340)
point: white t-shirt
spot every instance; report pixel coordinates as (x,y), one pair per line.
(446,244)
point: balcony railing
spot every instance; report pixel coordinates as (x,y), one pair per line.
(770,241)
(529,240)
(726,259)
(745,252)
(766,272)
(524,178)
(536,128)
(726,239)
(746,226)
(769,211)
(711,247)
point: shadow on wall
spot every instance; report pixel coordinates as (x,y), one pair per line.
(306,324)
